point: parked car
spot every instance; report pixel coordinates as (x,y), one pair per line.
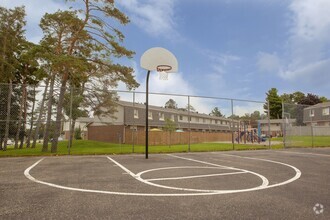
(59,139)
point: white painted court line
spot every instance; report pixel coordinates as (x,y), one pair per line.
(122,167)
(264,184)
(297,175)
(293,152)
(197,176)
(27,174)
(139,178)
(194,192)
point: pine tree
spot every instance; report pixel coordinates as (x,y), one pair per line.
(81,50)
(11,37)
(171,104)
(275,104)
(216,112)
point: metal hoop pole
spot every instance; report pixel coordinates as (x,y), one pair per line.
(147,113)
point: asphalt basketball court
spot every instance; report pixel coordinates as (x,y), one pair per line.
(271,184)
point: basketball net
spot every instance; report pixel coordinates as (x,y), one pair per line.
(162,71)
(163,75)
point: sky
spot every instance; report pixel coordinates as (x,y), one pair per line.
(236,49)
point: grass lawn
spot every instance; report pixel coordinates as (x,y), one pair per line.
(306,141)
(87,147)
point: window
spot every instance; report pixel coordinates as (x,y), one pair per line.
(149,115)
(197,119)
(181,117)
(325,111)
(216,121)
(172,118)
(136,113)
(161,116)
(204,120)
(311,114)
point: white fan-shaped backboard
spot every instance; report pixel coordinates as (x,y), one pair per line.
(158,56)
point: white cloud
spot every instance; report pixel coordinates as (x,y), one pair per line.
(248,108)
(221,59)
(267,62)
(309,42)
(153,16)
(311,19)
(314,73)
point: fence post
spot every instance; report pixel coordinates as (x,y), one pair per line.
(70,121)
(133,130)
(312,132)
(232,124)
(268,108)
(189,130)
(283,126)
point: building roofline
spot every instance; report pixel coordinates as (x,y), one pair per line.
(276,120)
(319,105)
(170,110)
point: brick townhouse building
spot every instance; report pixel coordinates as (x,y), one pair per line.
(128,125)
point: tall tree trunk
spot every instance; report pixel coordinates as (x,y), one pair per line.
(31,121)
(1,148)
(22,133)
(42,106)
(72,131)
(49,114)
(18,131)
(58,126)
(10,90)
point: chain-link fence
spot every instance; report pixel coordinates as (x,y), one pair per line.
(306,126)
(30,117)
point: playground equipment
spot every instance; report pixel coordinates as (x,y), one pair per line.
(252,136)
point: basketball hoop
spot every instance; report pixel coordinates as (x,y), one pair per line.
(163,61)
(163,71)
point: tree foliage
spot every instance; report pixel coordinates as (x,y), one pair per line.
(310,99)
(171,104)
(81,50)
(292,98)
(275,104)
(170,126)
(190,108)
(11,38)
(216,112)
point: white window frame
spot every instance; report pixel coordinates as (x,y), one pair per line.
(326,111)
(312,113)
(150,115)
(136,113)
(161,116)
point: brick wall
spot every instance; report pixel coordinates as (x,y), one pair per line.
(111,133)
